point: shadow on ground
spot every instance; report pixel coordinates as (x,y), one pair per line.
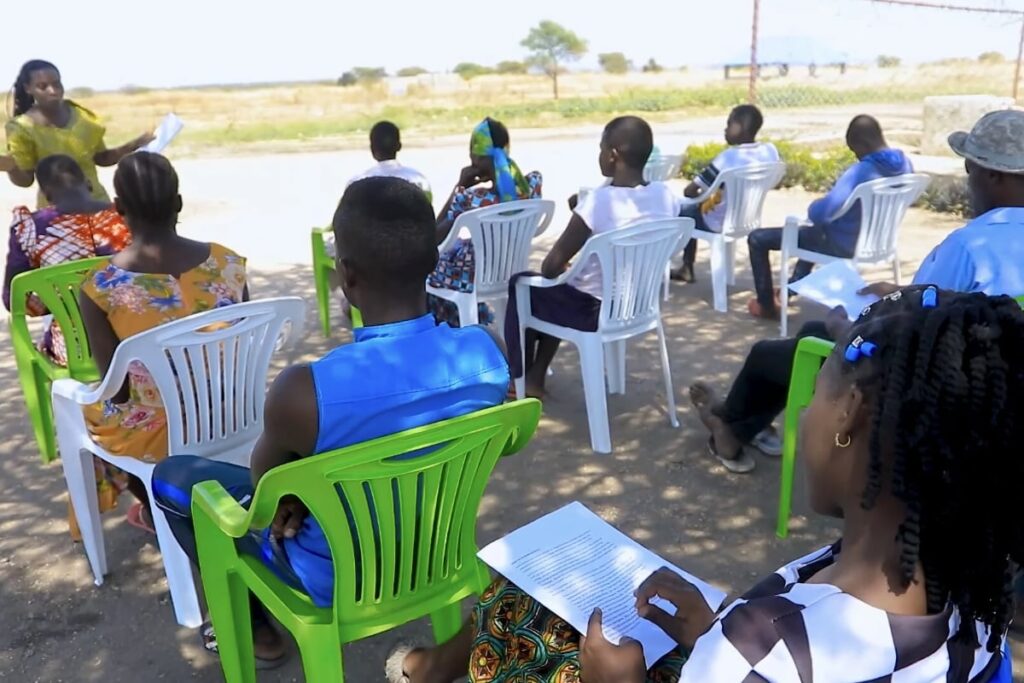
(659,487)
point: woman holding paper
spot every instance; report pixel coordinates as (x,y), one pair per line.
(913,442)
(44,123)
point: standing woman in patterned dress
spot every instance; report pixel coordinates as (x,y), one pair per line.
(44,123)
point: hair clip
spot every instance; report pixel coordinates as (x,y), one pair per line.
(859,348)
(929,297)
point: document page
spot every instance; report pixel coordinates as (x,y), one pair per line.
(835,284)
(164,133)
(572,561)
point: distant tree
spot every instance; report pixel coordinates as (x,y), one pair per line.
(991,58)
(410,71)
(551,45)
(470,70)
(80,92)
(511,67)
(888,62)
(369,74)
(348,78)
(132,89)
(614,62)
(652,67)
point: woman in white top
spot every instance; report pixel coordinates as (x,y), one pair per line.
(625,147)
(913,441)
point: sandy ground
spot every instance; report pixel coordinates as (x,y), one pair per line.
(658,486)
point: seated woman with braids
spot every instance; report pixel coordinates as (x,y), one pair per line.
(913,441)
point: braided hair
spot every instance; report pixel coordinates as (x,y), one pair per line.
(19,91)
(946,382)
(147,188)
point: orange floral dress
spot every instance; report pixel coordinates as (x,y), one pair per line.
(136,302)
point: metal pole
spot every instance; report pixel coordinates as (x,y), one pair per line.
(752,88)
(1020,57)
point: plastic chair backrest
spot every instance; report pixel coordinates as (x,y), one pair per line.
(502,236)
(57,287)
(883,204)
(660,168)
(211,370)
(411,527)
(633,269)
(747,187)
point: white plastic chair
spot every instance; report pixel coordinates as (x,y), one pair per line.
(883,203)
(662,167)
(502,236)
(212,384)
(632,260)
(746,189)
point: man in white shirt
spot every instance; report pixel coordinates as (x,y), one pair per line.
(741,131)
(625,147)
(385,144)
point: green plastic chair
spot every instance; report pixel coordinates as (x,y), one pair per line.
(422,563)
(811,353)
(57,288)
(323,266)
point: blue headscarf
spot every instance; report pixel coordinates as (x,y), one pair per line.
(509,181)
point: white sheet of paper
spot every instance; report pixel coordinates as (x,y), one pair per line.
(572,561)
(168,129)
(835,284)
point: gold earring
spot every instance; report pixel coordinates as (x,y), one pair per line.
(840,444)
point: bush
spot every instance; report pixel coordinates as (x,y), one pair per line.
(613,62)
(470,70)
(410,71)
(511,67)
(369,74)
(348,78)
(888,62)
(652,67)
(991,58)
(813,172)
(947,194)
(79,92)
(132,89)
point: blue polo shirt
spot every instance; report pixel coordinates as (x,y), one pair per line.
(394,377)
(986,255)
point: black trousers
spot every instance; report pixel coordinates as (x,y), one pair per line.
(758,394)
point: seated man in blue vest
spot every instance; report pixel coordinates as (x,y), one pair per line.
(403,371)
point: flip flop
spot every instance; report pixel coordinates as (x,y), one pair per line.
(208,641)
(134,517)
(393,671)
(768,442)
(742,463)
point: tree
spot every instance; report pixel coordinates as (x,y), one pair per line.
(652,67)
(991,58)
(552,44)
(348,78)
(510,67)
(369,74)
(614,62)
(470,70)
(410,71)
(888,62)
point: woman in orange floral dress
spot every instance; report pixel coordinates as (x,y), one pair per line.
(161,277)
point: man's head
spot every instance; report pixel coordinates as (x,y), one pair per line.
(59,176)
(386,246)
(385,141)
(627,143)
(864,136)
(744,124)
(993,155)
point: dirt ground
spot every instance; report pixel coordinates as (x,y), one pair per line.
(659,486)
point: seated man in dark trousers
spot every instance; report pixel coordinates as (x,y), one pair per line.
(625,147)
(986,255)
(403,371)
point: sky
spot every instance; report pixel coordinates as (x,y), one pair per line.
(107,44)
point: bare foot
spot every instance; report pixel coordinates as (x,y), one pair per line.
(267,643)
(703,399)
(535,384)
(422,665)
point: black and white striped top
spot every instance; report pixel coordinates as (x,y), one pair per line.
(787,631)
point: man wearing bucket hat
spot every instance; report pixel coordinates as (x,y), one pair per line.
(986,255)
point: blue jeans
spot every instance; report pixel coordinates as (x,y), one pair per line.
(693,211)
(765,240)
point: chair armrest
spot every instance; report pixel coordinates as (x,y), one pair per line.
(80,393)
(791,232)
(220,508)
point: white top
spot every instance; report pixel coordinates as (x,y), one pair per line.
(393,169)
(729,158)
(609,208)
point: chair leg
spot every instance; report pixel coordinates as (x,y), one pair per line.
(80,478)
(227,599)
(719,276)
(791,424)
(499,305)
(730,262)
(323,299)
(523,309)
(322,659)
(592,365)
(469,313)
(620,364)
(784,296)
(446,622)
(178,569)
(668,281)
(896,270)
(40,413)
(614,367)
(666,370)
